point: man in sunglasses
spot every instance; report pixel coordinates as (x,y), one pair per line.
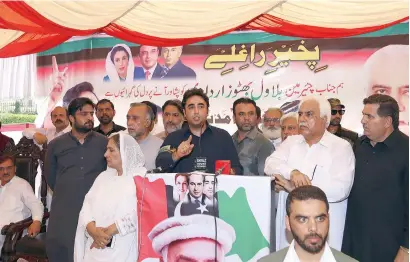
(337,111)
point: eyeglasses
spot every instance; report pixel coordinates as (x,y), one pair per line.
(341,112)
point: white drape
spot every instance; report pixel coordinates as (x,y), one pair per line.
(341,13)
(18,77)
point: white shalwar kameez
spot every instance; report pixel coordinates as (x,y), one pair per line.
(112,199)
(332,162)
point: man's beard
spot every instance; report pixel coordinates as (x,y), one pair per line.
(134,134)
(312,249)
(170,127)
(105,120)
(245,128)
(83,129)
(273,133)
(335,122)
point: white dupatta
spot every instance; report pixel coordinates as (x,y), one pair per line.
(112,71)
(112,199)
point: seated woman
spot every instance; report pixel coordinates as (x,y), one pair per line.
(107,225)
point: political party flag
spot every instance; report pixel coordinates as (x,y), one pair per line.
(177,210)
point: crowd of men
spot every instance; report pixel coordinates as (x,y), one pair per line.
(349,192)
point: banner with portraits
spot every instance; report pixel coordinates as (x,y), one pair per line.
(275,71)
(203,217)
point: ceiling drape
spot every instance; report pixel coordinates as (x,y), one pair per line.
(36,25)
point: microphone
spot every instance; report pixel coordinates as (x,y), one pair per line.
(220,165)
(219,171)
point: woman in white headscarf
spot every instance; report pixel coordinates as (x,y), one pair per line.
(119,65)
(107,225)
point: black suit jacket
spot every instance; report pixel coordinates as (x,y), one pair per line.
(179,70)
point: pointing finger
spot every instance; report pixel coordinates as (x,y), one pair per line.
(54,64)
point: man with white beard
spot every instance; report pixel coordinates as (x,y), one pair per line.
(315,157)
(271,125)
(172,117)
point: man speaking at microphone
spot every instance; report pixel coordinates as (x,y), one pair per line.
(198,145)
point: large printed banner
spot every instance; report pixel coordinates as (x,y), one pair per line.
(275,71)
(203,217)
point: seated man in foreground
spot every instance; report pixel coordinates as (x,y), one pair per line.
(17,199)
(307,219)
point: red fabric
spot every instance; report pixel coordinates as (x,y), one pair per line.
(42,34)
(30,43)
(3,142)
(274,25)
(136,37)
(152,204)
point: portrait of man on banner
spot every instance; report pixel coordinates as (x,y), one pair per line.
(174,68)
(189,238)
(150,67)
(387,73)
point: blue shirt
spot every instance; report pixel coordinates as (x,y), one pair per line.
(214,144)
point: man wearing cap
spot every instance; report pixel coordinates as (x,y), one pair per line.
(338,110)
(188,238)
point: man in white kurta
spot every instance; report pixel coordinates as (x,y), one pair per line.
(17,199)
(314,157)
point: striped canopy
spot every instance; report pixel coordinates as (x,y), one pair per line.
(36,25)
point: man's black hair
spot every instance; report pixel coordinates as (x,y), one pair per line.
(304,193)
(194,92)
(78,104)
(388,107)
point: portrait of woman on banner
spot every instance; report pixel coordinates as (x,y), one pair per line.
(119,65)
(107,226)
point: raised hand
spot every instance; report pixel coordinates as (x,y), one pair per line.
(184,149)
(59,78)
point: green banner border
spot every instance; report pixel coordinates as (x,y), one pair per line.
(228,39)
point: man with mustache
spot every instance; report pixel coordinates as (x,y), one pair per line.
(105,113)
(150,69)
(315,157)
(253,147)
(289,125)
(377,219)
(140,122)
(338,110)
(307,218)
(172,117)
(271,125)
(41,136)
(17,199)
(73,162)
